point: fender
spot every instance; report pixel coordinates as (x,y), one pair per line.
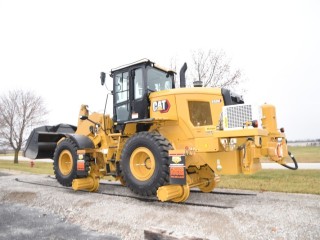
(81,141)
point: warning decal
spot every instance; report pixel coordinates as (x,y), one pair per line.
(177,172)
(177,169)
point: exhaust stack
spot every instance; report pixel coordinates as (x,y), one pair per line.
(183,76)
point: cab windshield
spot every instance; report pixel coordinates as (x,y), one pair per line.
(158,80)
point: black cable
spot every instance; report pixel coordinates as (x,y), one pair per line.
(293,160)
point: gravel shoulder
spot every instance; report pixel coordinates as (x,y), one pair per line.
(241,215)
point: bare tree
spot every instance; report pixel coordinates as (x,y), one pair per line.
(19,112)
(213,69)
(173,67)
(173,64)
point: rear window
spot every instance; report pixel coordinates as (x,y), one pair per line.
(159,80)
(199,112)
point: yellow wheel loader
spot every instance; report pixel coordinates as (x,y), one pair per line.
(161,140)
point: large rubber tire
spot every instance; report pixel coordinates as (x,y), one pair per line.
(65,162)
(145,162)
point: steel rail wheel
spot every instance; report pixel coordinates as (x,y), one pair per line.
(184,196)
(145,162)
(208,187)
(122,181)
(65,162)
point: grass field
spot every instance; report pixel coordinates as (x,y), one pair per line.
(299,181)
(306,154)
(24,166)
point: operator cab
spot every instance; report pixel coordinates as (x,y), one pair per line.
(132,85)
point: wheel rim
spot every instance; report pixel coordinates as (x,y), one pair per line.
(142,163)
(65,162)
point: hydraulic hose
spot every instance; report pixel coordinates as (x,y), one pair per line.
(293,160)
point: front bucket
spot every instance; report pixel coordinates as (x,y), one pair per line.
(43,140)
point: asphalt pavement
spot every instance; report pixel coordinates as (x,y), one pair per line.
(21,222)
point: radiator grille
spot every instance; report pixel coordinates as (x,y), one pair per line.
(236,115)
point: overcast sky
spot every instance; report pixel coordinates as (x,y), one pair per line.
(58,49)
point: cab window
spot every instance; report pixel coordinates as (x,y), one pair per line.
(138,84)
(121,87)
(158,80)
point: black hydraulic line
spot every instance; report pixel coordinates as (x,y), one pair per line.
(193,191)
(293,160)
(157,201)
(39,184)
(225,193)
(200,205)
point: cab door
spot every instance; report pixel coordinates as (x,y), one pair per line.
(121,97)
(138,96)
(130,97)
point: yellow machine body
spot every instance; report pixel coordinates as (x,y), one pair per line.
(184,139)
(209,151)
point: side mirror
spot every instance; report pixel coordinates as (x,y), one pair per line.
(103,78)
(83,117)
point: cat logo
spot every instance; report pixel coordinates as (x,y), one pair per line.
(162,106)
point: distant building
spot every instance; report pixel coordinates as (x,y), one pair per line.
(305,143)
